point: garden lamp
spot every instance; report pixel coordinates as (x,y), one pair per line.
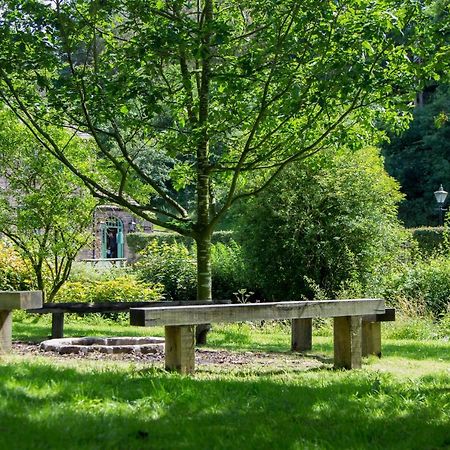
(441,195)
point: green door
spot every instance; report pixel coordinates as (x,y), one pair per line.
(112,238)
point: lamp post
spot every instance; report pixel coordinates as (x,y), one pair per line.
(441,195)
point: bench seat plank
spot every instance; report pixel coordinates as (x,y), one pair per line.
(194,315)
(105,307)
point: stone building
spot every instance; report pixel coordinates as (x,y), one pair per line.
(110,227)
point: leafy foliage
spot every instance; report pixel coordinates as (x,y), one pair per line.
(172,266)
(228,269)
(222,95)
(125,288)
(15,274)
(329,222)
(419,158)
(429,239)
(424,281)
(44,211)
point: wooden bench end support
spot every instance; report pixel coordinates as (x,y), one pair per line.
(347,342)
(57,325)
(10,300)
(371,338)
(5,331)
(180,348)
(301,335)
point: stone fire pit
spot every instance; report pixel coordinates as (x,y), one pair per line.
(114,345)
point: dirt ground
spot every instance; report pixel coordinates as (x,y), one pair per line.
(204,358)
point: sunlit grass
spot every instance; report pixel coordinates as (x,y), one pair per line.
(401,401)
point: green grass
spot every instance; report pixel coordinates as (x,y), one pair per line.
(401,401)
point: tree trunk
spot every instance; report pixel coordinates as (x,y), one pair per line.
(203,228)
(204,284)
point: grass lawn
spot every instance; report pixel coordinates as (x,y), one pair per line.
(401,401)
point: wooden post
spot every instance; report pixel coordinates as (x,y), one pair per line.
(57,325)
(347,342)
(371,338)
(301,335)
(180,349)
(5,331)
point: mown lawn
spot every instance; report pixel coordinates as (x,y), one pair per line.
(399,402)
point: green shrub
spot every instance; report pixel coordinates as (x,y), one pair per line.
(228,270)
(429,239)
(172,266)
(124,288)
(83,272)
(15,274)
(329,222)
(139,241)
(423,282)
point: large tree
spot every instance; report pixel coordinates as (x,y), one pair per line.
(45,212)
(229,92)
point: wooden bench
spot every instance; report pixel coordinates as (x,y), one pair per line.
(10,300)
(58,310)
(179,323)
(301,333)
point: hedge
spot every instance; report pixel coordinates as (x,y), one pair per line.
(429,239)
(139,241)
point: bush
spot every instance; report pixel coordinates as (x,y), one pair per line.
(15,274)
(429,239)
(124,288)
(425,281)
(139,241)
(328,222)
(171,265)
(228,270)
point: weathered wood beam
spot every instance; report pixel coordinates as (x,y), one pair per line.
(194,315)
(347,342)
(371,338)
(387,316)
(57,325)
(10,300)
(301,335)
(5,331)
(20,300)
(180,349)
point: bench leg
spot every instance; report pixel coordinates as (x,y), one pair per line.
(201,333)
(347,342)
(371,338)
(180,349)
(301,335)
(5,331)
(57,325)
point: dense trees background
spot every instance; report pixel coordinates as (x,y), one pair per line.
(419,158)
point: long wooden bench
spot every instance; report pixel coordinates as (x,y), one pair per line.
(180,321)
(58,310)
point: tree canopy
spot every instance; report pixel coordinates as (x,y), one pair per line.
(221,94)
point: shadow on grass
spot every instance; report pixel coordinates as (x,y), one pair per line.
(36,332)
(44,406)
